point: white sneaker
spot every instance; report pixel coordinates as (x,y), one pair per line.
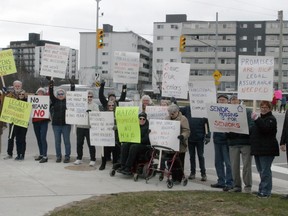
(92,163)
(77,162)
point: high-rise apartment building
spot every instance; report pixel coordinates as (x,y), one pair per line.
(234,38)
(114,41)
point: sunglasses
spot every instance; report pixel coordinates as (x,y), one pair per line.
(60,94)
(111,105)
(142,118)
(22,94)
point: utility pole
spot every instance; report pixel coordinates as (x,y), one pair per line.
(280,72)
(97,74)
(216,43)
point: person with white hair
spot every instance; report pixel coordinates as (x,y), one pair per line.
(145,101)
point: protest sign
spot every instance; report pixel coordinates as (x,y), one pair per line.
(126,103)
(227,118)
(16,112)
(255,80)
(7,63)
(156,112)
(200,93)
(101,132)
(126,67)
(164,133)
(175,80)
(128,124)
(40,106)
(77,105)
(54,61)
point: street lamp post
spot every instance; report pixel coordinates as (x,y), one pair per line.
(280,18)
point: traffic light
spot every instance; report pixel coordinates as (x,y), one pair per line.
(100,36)
(182,43)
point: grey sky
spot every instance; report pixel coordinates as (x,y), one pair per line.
(76,16)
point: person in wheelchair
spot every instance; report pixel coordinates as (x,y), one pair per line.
(131,151)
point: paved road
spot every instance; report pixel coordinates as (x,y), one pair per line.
(30,188)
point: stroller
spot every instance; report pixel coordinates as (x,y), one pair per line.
(140,168)
(169,165)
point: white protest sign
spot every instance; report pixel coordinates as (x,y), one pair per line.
(40,106)
(156,112)
(200,93)
(126,67)
(255,79)
(164,133)
(175,80)
(101,132)
(77,105)
(227,118)
(126,103)
(54,61)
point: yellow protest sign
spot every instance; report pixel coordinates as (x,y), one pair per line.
(128,124)
(16,112)
(7,63)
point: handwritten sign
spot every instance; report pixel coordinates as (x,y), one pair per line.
(255,81)
(54,61)
(128,124)
(156,112)
(77,105)
(16,112)
(164,133)
(40,106)
(126,103)
(227,118)
(101,132)
(126,67)
(200,93)
(7,63)
(175,80)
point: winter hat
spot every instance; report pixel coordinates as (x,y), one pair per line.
(142,114)
(222,95)
(41,89)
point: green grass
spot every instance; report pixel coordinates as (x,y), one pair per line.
(176,203)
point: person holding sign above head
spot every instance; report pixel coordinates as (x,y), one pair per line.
(111,95)
(239,145)
(264,146)
(20,133)
(225,180)
(58,111)
(178,166)
(40,126)
(82,132)
(17,87)
(131,151)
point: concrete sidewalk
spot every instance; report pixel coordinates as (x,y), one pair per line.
(31,188)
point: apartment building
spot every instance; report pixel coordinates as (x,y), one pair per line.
(234,38)
(27,55)
(114,41)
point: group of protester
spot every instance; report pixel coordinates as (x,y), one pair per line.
(261,141)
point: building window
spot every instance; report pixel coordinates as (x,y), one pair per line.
(244,25)
(257,25)
(243,49)
(174,27)
(159,49)
(173,49)
(174,38)
(173,60)
(159,60)
(259,37)
(259,50)
(244,37)
(160,37)
(160,26)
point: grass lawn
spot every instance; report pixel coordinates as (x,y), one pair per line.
(176,203)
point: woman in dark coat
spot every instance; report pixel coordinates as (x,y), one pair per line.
(264,146)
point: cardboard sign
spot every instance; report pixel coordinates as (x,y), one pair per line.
(156,112)
(7,63)
(40,106)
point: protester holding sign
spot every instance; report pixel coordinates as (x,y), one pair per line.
(58,109)
(145,101)
(17,87)
(239,145)
(111,95)
(199,135)
(221,149)
(40,126)
(20,133)
(264,146)
(131,151)
(178,166)
(82,132)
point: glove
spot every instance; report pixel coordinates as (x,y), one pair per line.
(4,89)
(88,111)
(181,137)
(115,127)
(206,140)
(51,83)
(124,86)
(254,116)
(102,83)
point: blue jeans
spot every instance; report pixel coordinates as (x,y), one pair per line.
(65,131)
(199,146)
(40,129)
(222,157)
(263,165)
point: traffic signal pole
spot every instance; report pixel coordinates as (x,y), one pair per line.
(97,74)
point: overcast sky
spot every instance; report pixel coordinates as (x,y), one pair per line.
(62,20)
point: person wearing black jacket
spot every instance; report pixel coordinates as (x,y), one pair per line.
(58,111)
(111,95)
(284,140)
(131,151)
(264,146)
(198,137)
